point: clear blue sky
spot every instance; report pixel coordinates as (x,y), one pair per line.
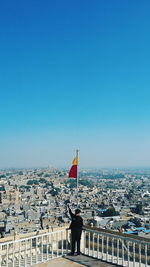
(74,74)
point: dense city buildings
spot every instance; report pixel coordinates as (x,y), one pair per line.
(35,199)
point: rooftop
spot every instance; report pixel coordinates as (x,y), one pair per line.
(99,247)
(60,262)
(73,261)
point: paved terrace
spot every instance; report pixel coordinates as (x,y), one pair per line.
(73,261)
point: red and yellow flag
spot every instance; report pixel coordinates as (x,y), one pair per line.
(73,170)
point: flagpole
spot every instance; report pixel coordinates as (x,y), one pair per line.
(77,155)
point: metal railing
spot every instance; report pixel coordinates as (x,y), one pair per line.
(116,248)
(103,245)
(33,250)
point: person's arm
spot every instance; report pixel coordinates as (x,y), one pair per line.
(70,212)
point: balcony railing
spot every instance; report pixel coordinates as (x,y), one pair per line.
(104,245)
(116,248)
(33,250)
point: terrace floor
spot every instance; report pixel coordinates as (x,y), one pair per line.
(75,261)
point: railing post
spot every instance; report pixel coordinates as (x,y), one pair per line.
(36,253)
(31,251)
(66,242)
(128,247)
(139,255)
(89,243)
(42,249)
(145,255)
(107,247)
(102,247)
(62,243)
(57,243)
(52,244)
(112,250)
(13,254)
(25,258)
(0,255)
(122,252)
(133,254)
(117,251)
(84,241)
(93,245)
(7,255)
(47,246)
(98,246)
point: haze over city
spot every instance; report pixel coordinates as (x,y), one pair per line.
(74,75)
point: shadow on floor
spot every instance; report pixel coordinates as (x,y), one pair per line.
(89,261)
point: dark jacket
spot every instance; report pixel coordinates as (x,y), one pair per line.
(77,222)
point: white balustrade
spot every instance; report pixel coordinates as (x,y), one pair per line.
(104,245)
(115,248)
(32,250)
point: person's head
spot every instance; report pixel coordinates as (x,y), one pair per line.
(77,212)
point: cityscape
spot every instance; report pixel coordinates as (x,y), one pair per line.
(35,199)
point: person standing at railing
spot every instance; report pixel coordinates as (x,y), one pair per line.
(76,230)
